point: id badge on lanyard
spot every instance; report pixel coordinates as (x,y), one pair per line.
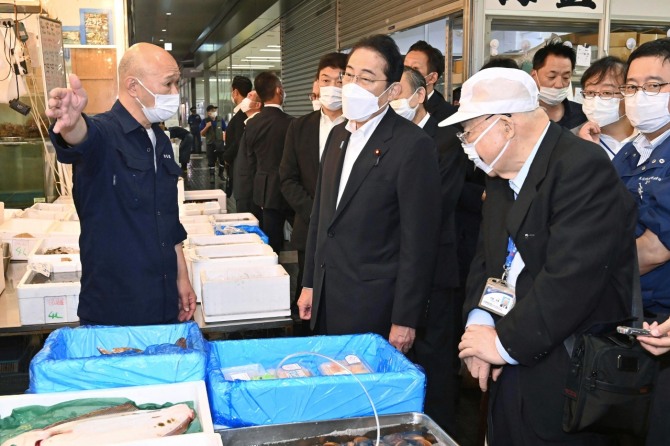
(498,296)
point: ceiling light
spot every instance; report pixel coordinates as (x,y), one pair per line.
(274,46)
(161,40)
(269,58)
(274,50)
(164,29)
(168,13)
(262,67)
(168,46)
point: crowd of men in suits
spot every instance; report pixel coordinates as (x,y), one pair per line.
(386,185)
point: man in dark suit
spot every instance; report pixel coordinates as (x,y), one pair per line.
(559,229)
(264,142)
(373,232)
(436,345)
(243,177)
(241,86)
(429,61)
(305,141)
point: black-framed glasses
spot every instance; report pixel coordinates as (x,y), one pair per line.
(313,96)
(649,88)
(462,136)
(348,78)
(607,95)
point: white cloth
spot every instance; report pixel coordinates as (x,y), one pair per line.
(359,138)
(152,137)
(325,126)
(422,123)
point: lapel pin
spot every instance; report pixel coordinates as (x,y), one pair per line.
(378,154)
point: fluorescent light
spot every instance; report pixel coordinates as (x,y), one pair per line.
(168,46)
(252,66)
(168,13)
(261,58)
(274,50)
(164,30)
(161,40)
(274,46)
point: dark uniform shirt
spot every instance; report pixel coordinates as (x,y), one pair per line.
(573,116)
(194,123)
(129,220)
(650,185)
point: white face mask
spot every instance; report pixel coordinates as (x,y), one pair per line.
(213,115)
(648,113)
(316,105)
(245,105)
(331,97)
(358,104)
(602,111)
(471,151)
(402,107)
(165,105)
(553,96)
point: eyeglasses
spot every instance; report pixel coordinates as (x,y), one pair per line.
(649,88)
(607,95)
(462,136)
(348,78)
(313,96)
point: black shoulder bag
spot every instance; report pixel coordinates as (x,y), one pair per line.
(611,378)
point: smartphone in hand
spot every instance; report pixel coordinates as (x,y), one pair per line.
(633,331)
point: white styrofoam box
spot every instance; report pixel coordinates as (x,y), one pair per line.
(198,229)
(204,219)
(58,261)
(245,292)
(45,215)
(20,247)
(53,207)
(199,439)
(206,195)
(242,218)
(180,191)
(197,264)
(157,394)
(61,228)
(238,250)
(206,208)
(48,303)
(229,239)
(2,212)
(64,199)
(8,214)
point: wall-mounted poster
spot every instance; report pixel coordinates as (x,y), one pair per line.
(71,35)
(96,27)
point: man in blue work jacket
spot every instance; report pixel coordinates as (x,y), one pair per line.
(125,192)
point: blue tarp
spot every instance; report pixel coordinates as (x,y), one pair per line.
(70,359)
(395,386)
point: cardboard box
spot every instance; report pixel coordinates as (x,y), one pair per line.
(618,39)
(246,292)
(52,302)
(70,359)
(21,246)
(644,38)
(394,386)
(580,39)
(457,66)
(621,52)
(194,391)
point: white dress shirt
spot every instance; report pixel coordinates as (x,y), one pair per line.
(645,147)
(325,126)
(152,137)
(359,138)
(612,146)
(422,123)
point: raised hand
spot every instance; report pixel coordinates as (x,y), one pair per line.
(66,105)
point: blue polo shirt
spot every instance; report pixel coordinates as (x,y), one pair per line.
(129,220)
(650,185)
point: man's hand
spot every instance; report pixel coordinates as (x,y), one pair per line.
(305,303)
(661,343)
(480,341)
(480,370)
(590,131)
(205,128)
(401,337)
(186,299)
(65,105)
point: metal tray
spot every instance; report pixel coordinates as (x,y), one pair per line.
(318,432)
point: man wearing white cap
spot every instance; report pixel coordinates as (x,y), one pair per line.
(554,258)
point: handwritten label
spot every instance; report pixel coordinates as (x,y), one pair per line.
(55,308)
(21,247)
(41,268)
(583,56)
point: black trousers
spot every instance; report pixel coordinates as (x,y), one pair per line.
(301,270)
(273,226)
(211,155)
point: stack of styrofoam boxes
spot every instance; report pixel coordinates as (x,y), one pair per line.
(204,202)
(65,228)
(23,233)
(240,219)
(197,224)
(69,242)
(160,394)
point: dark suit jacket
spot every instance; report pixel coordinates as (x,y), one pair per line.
(452,161)
(264,142)
(233,136)
(372,258)
(299,170)
(438,107)
(573,226)
(243,175)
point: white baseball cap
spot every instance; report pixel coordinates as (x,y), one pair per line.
(495,91)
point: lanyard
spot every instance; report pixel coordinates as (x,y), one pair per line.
(511,252)
(607,147)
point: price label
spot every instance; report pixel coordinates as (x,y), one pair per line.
(41,268)
(583,56)
(21,247)
(55,308)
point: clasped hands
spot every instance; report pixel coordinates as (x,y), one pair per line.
(478,351)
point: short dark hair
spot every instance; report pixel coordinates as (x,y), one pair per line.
(241,84)
(332,60)
(435,57)
(265,84)
(656,48)
(388,49)
(555,48)
(500,62)
(601,68)
(414,78)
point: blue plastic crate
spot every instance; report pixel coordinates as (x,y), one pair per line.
(70,359)
(395,386)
